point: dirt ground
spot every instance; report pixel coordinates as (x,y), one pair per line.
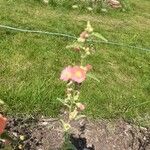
(46,134)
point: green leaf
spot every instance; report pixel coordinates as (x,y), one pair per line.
(73,114)
(63,101)
(66,126)
(93,77)
(67,145)
(74,45)
(98,35)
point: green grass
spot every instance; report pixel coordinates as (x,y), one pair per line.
(30,64)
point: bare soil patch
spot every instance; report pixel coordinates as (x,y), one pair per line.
(46,134)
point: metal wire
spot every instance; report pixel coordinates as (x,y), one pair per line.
(72,37)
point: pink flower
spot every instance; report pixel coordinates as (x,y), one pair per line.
(79,74)
(3,122)
(80,106)
(76,73)
(66,74)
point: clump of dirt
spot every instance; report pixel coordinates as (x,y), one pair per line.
(20,133)
(46,134)
(96,135)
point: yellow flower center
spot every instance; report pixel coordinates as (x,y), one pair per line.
(78,74)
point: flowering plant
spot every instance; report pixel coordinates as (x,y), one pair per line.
(75,76)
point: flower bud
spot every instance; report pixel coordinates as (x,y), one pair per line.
(88,67)
(84,35)
(89,27)
(80,106)
(82,40)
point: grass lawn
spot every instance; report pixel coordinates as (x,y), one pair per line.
(30,63)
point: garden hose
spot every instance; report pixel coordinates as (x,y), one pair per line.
(72,37)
